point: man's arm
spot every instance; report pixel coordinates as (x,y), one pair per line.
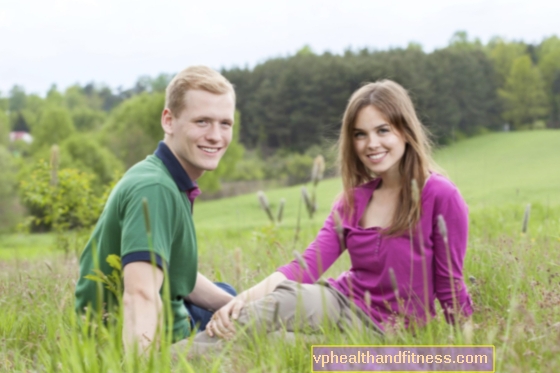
(142,305)
(207,295)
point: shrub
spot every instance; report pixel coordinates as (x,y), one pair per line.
(250,167)
(7,189)
(298,168)
(59,200)
(82,152)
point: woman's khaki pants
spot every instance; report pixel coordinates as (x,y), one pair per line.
(305,307)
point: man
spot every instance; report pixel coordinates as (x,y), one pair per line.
(197,123)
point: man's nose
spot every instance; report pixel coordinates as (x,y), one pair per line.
(213,132)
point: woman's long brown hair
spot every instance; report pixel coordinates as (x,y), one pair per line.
(394,103)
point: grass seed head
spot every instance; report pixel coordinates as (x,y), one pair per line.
(339,228)
(415,191)
(300,260)
(394,283)
(280,210)
(55,154)
(146,215)
(442,226)
(318,169)
(238,265)
(468,332)
(263,201)
(367,299)
(310,206)
(237,256)
(526,219)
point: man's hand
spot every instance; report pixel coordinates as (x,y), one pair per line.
(221,325)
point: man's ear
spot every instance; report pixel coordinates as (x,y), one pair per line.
(167,121)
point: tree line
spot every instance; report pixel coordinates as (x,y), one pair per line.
(461,90)
(289,111)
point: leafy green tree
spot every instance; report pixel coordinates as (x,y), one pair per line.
(524,96)
(33,110)
(159,83)
(54,98)
(461,96)
(7,181)
(305,51)
(74,97)
(4,129)
(146,83)
(17,99)
(502,54)
(460,40)
(133,129)
(55,126)
(4,103)
(549,65)
(86,119)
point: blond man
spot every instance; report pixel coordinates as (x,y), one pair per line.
(197,123)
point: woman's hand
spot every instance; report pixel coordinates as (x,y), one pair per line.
(221,324)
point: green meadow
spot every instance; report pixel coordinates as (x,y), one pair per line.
(513,277)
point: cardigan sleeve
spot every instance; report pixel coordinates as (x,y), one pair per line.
(318,256)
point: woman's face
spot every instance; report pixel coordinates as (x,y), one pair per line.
(377,143)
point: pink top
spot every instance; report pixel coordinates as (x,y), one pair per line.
(372,255)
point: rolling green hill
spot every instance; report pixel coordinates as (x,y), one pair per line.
(490,170)
(506,167)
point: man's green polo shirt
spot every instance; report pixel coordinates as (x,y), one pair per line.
(121,230)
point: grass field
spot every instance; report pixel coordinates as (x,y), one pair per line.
(516,288)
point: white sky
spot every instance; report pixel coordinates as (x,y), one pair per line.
(116,41)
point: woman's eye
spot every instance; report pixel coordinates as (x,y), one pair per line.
(383,130)
(359,135)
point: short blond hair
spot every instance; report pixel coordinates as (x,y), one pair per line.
(194,77)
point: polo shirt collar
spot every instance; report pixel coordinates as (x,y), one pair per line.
(177,171)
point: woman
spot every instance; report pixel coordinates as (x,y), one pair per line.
(391,216)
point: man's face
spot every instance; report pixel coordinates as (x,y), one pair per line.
(201,134)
